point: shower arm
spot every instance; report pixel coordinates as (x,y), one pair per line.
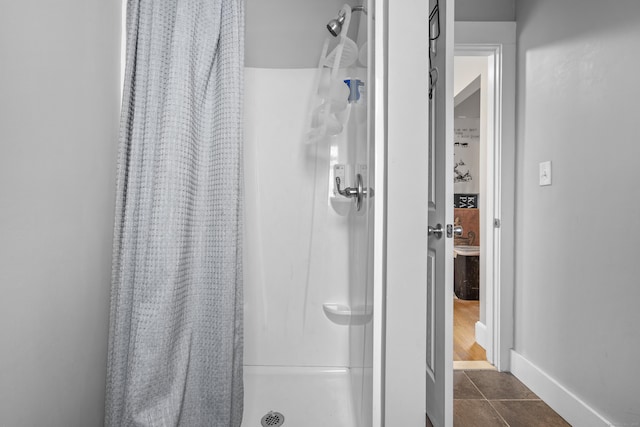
(362,9)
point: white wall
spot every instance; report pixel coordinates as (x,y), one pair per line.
(466,70)
(470,107)
(577,286)
(290,33)
(296,247)
(59,70)
(485,10)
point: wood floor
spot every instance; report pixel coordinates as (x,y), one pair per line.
(465,315)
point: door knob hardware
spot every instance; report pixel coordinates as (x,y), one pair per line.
(454,230)
(435,231)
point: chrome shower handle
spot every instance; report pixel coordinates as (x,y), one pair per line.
(352,192)
(349,191)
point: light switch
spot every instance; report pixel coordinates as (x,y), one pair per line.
(545,173)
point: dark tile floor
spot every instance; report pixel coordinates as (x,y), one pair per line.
(491,398)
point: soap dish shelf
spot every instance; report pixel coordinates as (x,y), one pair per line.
(342,314)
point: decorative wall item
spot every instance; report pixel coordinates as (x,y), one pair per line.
(466,154)
(466,201)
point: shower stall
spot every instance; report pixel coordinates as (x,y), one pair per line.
(309,218)
(333,173)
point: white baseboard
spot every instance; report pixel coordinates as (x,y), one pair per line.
(569,406)
(481,334)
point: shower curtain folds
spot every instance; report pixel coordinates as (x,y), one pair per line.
(175,343)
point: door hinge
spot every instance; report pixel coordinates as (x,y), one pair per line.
(496,223)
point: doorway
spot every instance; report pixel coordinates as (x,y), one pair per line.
(484,89)
(471,179)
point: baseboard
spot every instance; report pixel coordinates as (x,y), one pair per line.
(570,407)
(481,334)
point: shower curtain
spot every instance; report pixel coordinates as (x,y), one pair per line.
(175,343)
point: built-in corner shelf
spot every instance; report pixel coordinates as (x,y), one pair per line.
(341,314)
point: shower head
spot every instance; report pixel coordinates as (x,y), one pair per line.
(335,25)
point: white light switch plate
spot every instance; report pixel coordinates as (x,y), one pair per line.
(545,173)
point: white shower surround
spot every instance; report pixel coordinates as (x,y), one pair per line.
(291,270)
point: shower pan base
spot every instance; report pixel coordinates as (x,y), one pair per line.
(306,396)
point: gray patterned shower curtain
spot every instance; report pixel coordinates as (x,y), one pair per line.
(175,344)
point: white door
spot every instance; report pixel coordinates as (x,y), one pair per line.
(440,194)
(413,283)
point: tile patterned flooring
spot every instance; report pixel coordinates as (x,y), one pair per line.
(490,398)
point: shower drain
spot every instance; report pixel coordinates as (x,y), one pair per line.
(272,419)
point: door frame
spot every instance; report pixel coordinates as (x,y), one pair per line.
(496,40)
(400,213)
(399,375)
